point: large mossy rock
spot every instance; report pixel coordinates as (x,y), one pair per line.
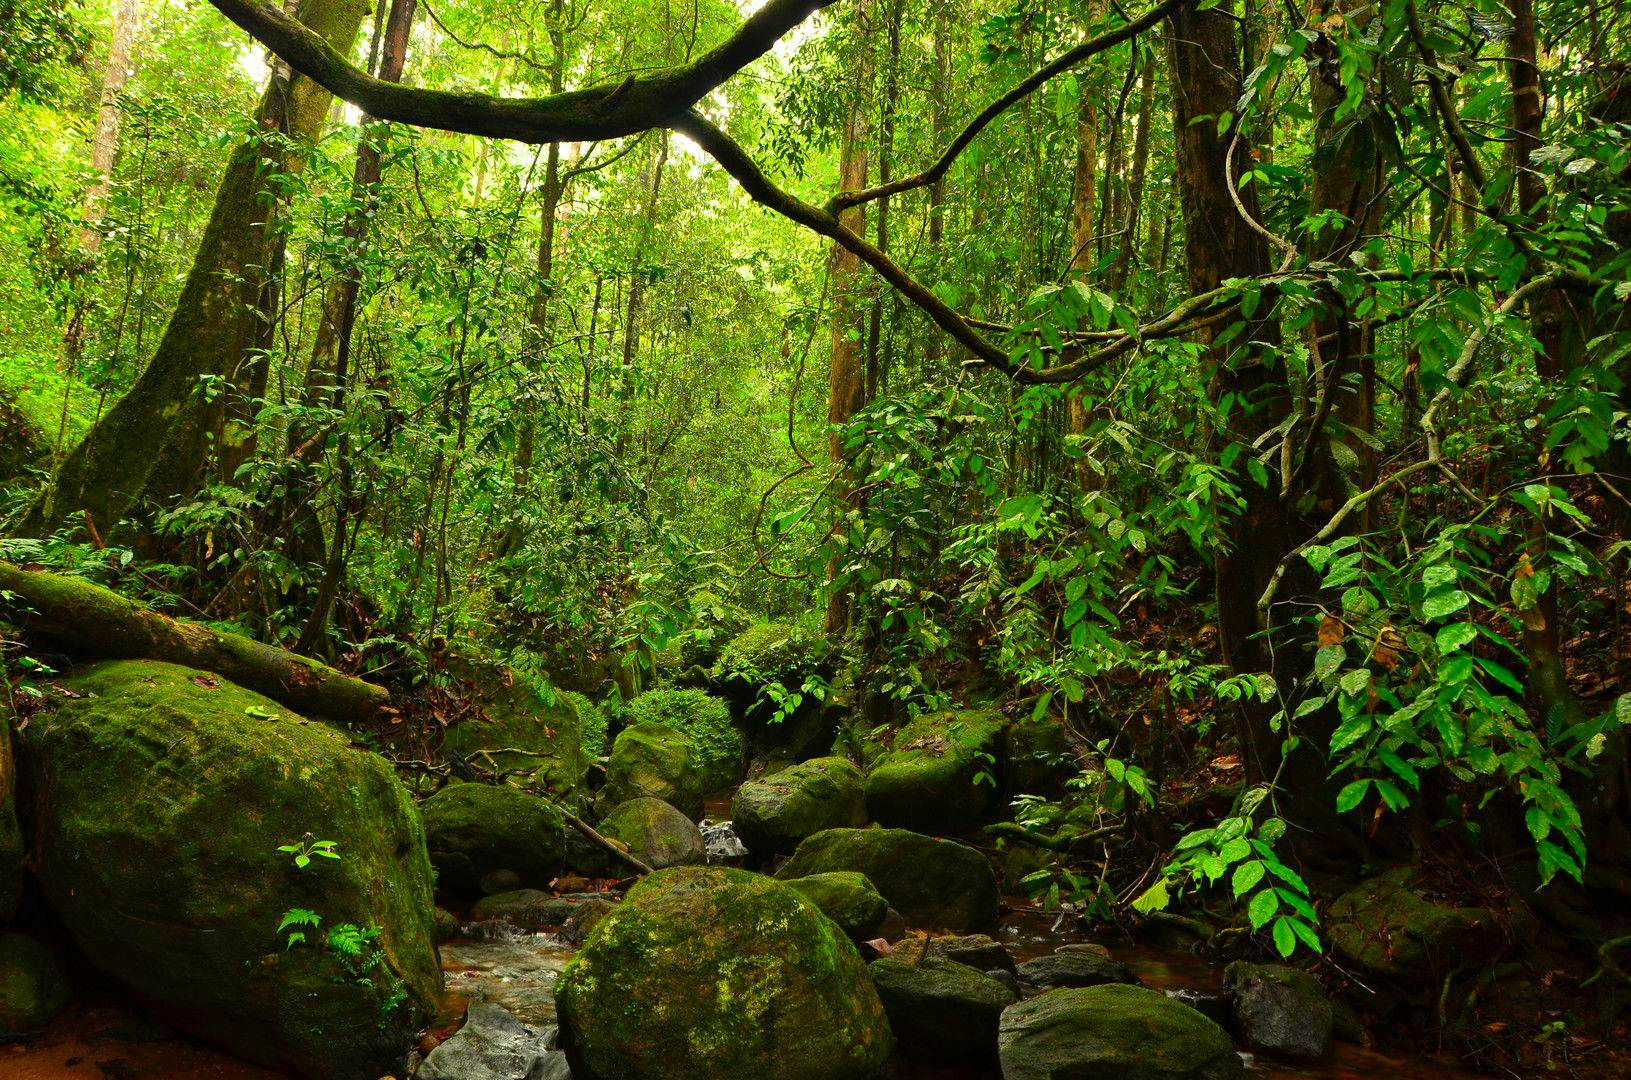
(783,655)
(934,884)
(848,899)
(940,777)
(159,798)
(11,833)
(529,732)
(940,1010)
(656,761)
(1388,926)
(774,814)
(719,750)
(708,973)
(656,834)
(32,990)
(471,830)
(1112,1033)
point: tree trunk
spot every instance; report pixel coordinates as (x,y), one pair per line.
(1083,223)
(1133,212)
(215,322)
(846,381)
(635,307)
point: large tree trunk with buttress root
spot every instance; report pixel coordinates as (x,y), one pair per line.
(217,319)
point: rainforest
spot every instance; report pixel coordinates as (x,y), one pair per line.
(815,539)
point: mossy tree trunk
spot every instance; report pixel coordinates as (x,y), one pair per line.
(155,438)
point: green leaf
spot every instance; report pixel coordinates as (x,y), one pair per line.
(1155,898)
(1352,795)
(1454,636)
(1246,876)
(1355,682)
(1262,908)
(1440,605)
(1285,939)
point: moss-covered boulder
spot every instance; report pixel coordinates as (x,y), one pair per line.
(934,884)
(848,899)
(11,833)
(159,798)
(759,669)
(1073,965)
(772,815)
(658,761)
(1391,926)
(528,732)
(709,973)
(941,1011)
(940,777)
(719,750)
(1112,1033)
(32,990)
(472,830)
(656,833)
(1037,757)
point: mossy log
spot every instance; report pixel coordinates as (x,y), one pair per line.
(88,621)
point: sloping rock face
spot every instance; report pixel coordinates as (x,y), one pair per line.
(656,833)
(940,1010)
(773,814)
(655,761)
(475,829)
(1280,1010)
(941,775)
(848,899)
(159,796)
(1112,1033)
(720,749)
(533,734)
(934,884)
(1390,927)
(709,973)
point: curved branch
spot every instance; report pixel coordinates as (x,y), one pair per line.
(1058,66)
(605,112)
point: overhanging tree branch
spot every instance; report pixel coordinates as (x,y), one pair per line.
(605,112)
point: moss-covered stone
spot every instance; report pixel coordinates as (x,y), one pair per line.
(758,669)
(772,815)
(32,990)
(472,830)
(934,884)
(656,833)
(848,899)
(773,652)
(1388,927)
(530,732)
(941,1011)
(708,973)
(720,750)
(1037,758)
(159,798)
(1112,1033)
(11,834)
(940,777)
(1281,1011)
(658,761)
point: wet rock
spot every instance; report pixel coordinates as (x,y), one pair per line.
(935,884)
(1213,1004)
(160,796)
(724,847)
(848,899)
(534,733)
(658,761)
(472,830)
(709,973)
(1074,967)
(493,1045)
(500,881)
(773,814)
(940,777)
(1114,1032)
(446,925)
(32,990)
(656,833)
(1389,926)
(584,918)
(978,951)
(1280,1011)
(941,1011)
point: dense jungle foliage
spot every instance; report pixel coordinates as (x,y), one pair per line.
(1227,397)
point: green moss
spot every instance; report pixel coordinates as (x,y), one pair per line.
(773,814)
(719,974)
(531,732)
(658,761)
(940,775)
(1387,927)
(474,829)
(773,652)
(1113,1033)
(33,392)
(720,750)
(847,898)
(656,833)
(160,800)
(32,990)
(934,884)
(940,1010)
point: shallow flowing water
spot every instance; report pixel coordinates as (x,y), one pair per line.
(510,967)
